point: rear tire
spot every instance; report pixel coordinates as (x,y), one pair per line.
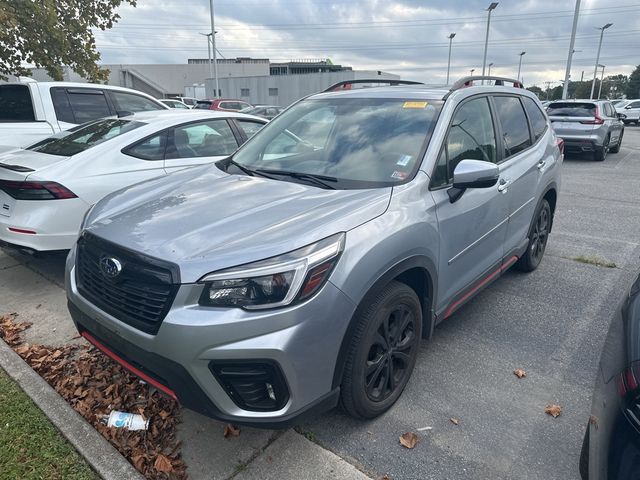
(601,152)
(616,149)
(538,237)
(382,351)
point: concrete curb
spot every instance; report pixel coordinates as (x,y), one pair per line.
(92,446)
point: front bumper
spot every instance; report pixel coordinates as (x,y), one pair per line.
(302,340)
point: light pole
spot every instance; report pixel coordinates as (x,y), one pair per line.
(491,8)
(208,35)
(595,70)
(601,80)
(213,42)
(520,64)
(471,71)
(567,74)
(449,62)
(490,65)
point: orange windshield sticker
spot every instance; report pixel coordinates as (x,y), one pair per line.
(415,105)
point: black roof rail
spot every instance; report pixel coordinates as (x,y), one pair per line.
(468,82)
(343,85)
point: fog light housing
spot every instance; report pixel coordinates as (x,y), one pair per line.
(255,385)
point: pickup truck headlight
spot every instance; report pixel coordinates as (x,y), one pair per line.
(274,282)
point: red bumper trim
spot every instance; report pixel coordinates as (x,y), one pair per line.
(128,366)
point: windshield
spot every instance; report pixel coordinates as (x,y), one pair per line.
(571,109)
(353,142)
(83,137)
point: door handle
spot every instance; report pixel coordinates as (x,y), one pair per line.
(504,185)
(541,164)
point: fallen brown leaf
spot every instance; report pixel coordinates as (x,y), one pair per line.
(162,464)
(454,420)
(520,373)
(408,440)
(593,420)
(230,431)
(553,410)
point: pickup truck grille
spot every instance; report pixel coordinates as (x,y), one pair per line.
(139,292)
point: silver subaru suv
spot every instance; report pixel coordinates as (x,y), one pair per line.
(305,269)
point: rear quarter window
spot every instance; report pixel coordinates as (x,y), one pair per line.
(571,109)
(15,104)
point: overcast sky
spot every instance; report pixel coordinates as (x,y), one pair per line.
(406,37)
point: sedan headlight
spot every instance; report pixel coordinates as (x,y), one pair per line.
(274,282)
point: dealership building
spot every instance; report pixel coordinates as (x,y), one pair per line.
(255,80)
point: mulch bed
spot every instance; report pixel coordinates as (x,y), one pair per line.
(94,385)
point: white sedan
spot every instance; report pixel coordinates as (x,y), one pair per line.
(46,189)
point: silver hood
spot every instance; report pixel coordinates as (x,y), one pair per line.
(205,220)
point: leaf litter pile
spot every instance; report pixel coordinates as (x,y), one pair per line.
(94,385)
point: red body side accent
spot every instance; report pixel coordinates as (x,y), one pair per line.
(454,306)
(128,366)
(21,230)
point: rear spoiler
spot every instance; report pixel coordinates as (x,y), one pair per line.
(16,168)
(347,84)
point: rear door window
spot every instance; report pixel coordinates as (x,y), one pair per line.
(571,109)
(249,128)
(203,139)
(15,104)
(151,148)
(536,117)
(130,102)
(87,104)
(515,128)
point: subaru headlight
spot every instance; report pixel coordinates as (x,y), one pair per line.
(276,281)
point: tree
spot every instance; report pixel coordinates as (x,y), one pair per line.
(616,84)
(537,90)
(53,33)
(633,87)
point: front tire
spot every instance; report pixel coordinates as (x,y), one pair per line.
(382,352)
(537,239)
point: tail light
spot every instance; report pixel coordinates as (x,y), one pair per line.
(629,380)
(36,190)
(597,119)
(560,143)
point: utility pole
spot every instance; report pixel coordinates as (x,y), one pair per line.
(208,35)
(595,70)
(491,8)
(520,65)
(449,62)
(490,65)
(567,74)
(213,41)
(582,76)
(601,80)
(548,84)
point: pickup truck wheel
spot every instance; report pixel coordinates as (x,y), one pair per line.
(382,352)
(537,239)
(616,149)
(601,152)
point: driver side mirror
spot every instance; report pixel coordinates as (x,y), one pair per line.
(472,174)
(628,107)
(621,116)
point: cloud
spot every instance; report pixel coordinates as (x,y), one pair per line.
(408,37)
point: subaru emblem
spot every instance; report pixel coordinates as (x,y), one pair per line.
(110,266)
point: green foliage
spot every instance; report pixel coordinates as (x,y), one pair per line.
(53,33)
(633,87)
(30,445)
(538,91)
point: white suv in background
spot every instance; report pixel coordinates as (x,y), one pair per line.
(31,111)
(631,110)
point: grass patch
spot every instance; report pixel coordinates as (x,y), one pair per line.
(30,446)
(598,262)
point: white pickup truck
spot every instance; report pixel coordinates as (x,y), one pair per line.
(31,111)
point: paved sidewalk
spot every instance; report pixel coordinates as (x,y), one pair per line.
(33,288)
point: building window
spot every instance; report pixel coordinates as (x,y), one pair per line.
(244,92)
(273,92)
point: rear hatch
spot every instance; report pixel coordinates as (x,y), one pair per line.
(574,119)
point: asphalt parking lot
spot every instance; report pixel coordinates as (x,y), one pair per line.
(552,323)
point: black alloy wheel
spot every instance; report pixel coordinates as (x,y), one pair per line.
(537,239)
(382,351)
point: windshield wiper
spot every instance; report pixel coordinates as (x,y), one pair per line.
(320,180)
(249,171)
